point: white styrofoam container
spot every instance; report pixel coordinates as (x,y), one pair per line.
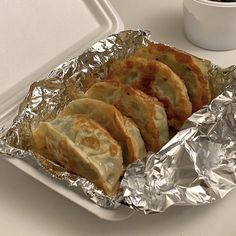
(35,37)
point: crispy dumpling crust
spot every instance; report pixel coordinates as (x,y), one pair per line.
(190,69)
(158,80)
(83,147)
(145,111)
(120,127)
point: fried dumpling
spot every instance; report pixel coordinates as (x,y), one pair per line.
(120,127)
(82,146)
(190,69)
(157,80)
(146,112)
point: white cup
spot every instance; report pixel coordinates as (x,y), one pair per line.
(210,25)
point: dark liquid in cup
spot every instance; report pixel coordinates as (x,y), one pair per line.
(223,0)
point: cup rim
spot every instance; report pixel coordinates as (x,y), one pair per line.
(216,4)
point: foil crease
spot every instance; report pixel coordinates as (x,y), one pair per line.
(196,167)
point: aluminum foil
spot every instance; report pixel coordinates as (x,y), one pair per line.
(196,167)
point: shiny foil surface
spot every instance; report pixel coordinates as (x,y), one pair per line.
(196,167)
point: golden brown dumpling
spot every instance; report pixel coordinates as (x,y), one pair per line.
(120,127)
(190,69)
(83,147)
(146,112)
(157,80)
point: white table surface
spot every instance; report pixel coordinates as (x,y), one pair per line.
(29,208)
